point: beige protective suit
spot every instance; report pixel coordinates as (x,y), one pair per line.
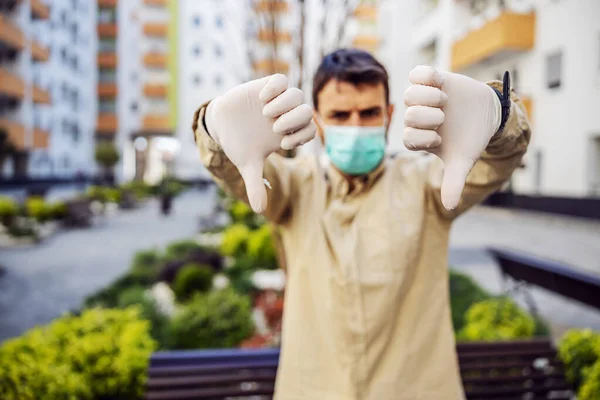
(367,312)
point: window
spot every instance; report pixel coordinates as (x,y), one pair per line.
(197,21)
(107,106)
(107,16)
(66,163)
(554,70)
(134,106)
(64,56)
(107,45)
(107,75)
(197,51)
(218,51)
(219,22)
(133,76)
(218,80)
(197,80)
(76,133)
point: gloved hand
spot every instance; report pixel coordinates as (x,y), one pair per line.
(253,120)
(453,117)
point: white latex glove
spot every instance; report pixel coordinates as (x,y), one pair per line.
(255,119)
(453,117)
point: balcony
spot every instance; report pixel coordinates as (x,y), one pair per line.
(509,32)
(366,12)
(40,96)
(107,90)
(107,60)
(266,35)
(271,66)
(156,3)
(366,42)
(154,123)
(41,139)
(107,3)
(155,60)
(272,6)
(16,133)
(11,35)
(39,10)
(156,29)
(11,85)
(107,124)
(155,90)
(106,30)
(39,52)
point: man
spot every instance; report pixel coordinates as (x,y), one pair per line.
(367,314)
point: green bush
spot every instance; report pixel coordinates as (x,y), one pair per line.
(496,319)
(590,388)
(112,195)
(464,292)
(141,190)
(159,323)
(99,355)
(8,209)
(36,208)
(260,247)
(108,297)
(181,249)
(219,319)
(57,211)
(235,239)
(106,154)
(240,212)
(579,349)
(192,278)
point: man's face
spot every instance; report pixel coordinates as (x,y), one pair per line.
(342,103)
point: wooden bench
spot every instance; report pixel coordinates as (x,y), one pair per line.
(550,275)
(502,370)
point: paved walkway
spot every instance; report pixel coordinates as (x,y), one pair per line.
(574,241)
(43,281)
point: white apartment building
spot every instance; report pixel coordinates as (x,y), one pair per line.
(552,50)
(46,86)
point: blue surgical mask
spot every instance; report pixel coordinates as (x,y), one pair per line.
(355,150)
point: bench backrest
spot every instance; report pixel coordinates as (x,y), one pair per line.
(505,370)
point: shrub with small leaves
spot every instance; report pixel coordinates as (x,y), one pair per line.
(36,208)
(57,211)
(8,209)
(464,292)
(235,239)
(261,249)
(219,319)
(100,354)
(191,279)
(579,349)
(181,249)
(496,319)
(590,388)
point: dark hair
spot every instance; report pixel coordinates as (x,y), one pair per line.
(349,65)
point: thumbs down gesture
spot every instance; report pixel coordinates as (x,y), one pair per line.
(453,117)
(255,119)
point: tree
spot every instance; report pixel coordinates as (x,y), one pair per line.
(107,156)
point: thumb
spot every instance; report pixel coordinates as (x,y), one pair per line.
(453,183)
(252,174)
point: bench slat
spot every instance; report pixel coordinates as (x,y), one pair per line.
(180,382)
(202,394)
(210,369)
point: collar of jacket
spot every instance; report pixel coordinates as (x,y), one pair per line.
(343,185)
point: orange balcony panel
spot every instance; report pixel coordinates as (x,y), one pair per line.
(155,60)
(272,6)
(156,3)
(107,3)
(509,32)
(156,29)
(39,9)
(155,123)
(107,124)
(107,60)
(528,104)
(40,95)
(10,34)
(39,52)
(107,90)
(16,133)
(270,36)
(41,139)
(367,42)
(366,12)
(107,30)
(272,66)
(11,85)
(155,90)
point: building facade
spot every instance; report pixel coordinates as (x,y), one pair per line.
(552,50)
(46,87)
